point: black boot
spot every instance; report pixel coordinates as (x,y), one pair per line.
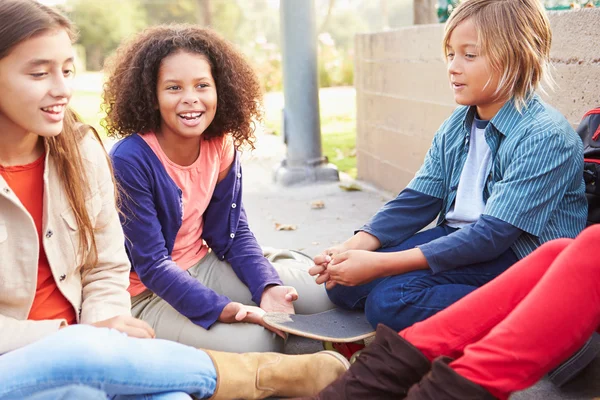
(385,369)
(443,383)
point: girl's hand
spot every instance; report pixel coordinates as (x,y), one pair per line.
(279,299)
(238,312)
(127,324)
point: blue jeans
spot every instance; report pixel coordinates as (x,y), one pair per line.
(71,392)
(80,392)
(108,361)
(401,300)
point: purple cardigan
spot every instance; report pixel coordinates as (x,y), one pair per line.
(152,216)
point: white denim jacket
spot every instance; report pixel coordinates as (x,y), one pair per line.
(97,292)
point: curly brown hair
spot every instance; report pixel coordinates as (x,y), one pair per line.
(130,100)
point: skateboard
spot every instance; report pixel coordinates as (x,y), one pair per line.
(336,326)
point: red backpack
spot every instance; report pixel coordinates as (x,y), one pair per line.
(589,131)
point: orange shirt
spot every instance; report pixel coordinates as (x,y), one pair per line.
(27,182)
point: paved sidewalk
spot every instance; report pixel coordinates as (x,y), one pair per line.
(316,229)
(268,204)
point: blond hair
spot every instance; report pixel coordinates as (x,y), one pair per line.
(515,37)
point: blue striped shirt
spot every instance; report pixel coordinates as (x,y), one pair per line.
(534,180)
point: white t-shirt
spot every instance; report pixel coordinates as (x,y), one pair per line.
(469,205)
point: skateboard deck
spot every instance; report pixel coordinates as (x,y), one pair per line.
(337,325)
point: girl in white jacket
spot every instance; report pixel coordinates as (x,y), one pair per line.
(64,307)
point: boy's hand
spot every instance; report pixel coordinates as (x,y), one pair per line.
(127,324)
(322,262)
(324,258)
(354,267)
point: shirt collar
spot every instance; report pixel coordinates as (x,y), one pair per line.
(505,119)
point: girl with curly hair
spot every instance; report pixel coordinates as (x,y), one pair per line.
(184,101)
(66,329)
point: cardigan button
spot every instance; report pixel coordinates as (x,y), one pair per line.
(62,277)
(232,235)
(7,190)
(49,234)
(233,205)
(239,174)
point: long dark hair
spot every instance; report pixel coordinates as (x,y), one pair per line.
(21,20)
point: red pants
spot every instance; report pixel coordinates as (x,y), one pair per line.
(509,333)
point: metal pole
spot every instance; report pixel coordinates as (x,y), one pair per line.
(301,127)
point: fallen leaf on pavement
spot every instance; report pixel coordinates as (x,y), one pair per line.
(350,187)
(317,204)
(284,227)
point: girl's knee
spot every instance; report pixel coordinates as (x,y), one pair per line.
(79,338)
(70,392)
(590,234)
(85,343)
(78,351)
(317,301)
(554,247)
(259,339)
(256,339)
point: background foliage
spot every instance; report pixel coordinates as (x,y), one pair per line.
(253,25)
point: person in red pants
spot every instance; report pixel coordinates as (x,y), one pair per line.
(497,340)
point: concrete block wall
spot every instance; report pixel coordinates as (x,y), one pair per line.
(403,95)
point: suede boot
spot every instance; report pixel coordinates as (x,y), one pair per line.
(443,383)
(261,375)
(385,369)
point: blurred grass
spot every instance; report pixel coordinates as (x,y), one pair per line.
(337,109)
(87,105)
(338,124)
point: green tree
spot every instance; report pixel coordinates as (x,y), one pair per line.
(167,11)
(103,25)
(227,19)
(224,16)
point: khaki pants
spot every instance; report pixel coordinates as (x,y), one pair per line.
(219,276)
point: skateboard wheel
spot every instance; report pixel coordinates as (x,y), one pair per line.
(345,349)
(329,346)
(355,356)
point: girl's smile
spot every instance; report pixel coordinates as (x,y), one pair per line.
(187,96)
(191,119)
(55,113)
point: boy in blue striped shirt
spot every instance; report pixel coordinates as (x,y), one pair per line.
(503,175)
